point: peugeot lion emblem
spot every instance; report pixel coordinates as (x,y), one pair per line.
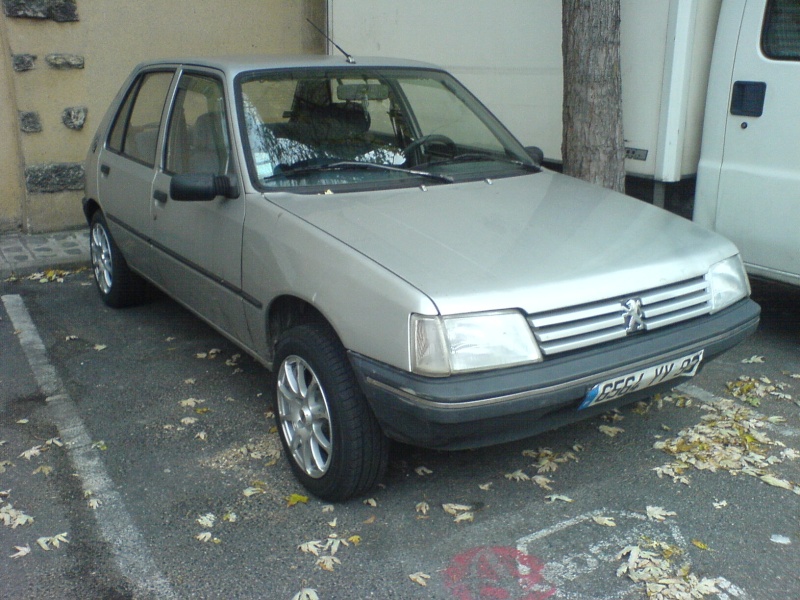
(633,316)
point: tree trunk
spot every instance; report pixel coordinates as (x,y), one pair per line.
(593,148)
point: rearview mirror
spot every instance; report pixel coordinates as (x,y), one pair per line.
(356,92)
(202,186)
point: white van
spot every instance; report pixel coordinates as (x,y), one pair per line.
(748,179)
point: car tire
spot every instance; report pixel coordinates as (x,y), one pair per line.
(118,285)
(334,444)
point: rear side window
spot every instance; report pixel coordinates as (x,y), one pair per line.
(780,36)
(135,129)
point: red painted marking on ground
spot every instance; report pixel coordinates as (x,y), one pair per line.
(496,573)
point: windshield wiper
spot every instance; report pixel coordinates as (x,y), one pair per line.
(478,157)
(300,170)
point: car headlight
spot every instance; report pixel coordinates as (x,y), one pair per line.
(729,283)
(442,346)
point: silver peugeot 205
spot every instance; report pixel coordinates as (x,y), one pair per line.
(409,270)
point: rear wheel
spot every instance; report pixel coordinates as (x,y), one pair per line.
(335,445)
(117,284)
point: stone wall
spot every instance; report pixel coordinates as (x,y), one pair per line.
(65,60)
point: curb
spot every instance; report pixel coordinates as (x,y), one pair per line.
(22,254)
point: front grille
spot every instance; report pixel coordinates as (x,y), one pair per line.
(591,324)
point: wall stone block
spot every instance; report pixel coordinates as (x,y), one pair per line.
(61,11)
(29,121)
(23,62)
(53,178)
(74,117)
(65,61)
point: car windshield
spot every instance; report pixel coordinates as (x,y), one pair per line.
(367,128)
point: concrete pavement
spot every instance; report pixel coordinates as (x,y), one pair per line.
(22,253)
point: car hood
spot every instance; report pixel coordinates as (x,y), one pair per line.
(535,242)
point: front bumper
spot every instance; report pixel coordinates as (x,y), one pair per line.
(502,405)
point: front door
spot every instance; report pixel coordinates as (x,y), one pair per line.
(199,243)
(759,188)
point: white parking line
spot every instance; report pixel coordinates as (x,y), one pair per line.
(116,525)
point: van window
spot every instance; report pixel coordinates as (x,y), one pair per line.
(780,37)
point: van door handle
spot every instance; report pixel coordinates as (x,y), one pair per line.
(105,169)
(747,98)
(160,196)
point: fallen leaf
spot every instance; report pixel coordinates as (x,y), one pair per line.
(296,499)
(468,516)
(100,445)
(100,347)
(656,513)
(313,547)
(252,491)
(554,497)
(201,435)
(420,578)
(720,504)
(332,523)
(31,452)
(94,503)
(189,420)
(485,486)
(517,475)
(422,508)
(454,509)
(23,422)
(44,470)
(610,431)
(371,502)
(605,521)
(306,594)
(370,520)
(777,539)
(207,520)
(327,562)
(21,551)
(423,471)
(71,338)
(775,481)
(543,482)
(191,402)
(753,360)
(354,539)
(700,545)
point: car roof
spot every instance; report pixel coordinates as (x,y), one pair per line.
(237,64)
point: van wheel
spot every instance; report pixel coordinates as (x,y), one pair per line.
(117,284)
(335,445)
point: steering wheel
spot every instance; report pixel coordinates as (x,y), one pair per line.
(433,138)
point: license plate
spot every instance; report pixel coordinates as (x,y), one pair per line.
(611,389)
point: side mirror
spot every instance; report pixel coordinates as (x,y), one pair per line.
(202,186)
(536,154)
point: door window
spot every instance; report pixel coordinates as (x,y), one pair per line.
(135,130)
(197,137)
(780,38)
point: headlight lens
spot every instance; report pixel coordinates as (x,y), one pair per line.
(729,283)
(474,342)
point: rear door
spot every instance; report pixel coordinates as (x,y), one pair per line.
(127,166)
(758,202)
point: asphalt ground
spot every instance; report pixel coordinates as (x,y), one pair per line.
(146,421)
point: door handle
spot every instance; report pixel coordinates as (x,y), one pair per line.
(160,196)
(747,98)
(105,169)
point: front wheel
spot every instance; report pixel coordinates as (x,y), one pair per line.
(335,445)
